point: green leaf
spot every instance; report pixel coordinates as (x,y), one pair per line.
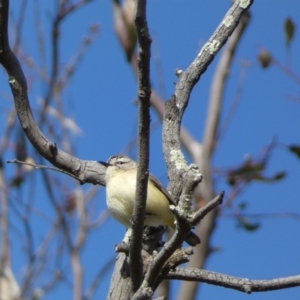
(243,205)
(279,176)
(275,177)
(247,225)
(248,171)
(264,58)
(17,181)
(295,149)
(289,30)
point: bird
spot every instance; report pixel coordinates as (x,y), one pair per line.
(121,175)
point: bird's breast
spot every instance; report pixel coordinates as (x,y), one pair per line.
(120,198)
(120,195)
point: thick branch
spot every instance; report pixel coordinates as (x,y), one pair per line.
(120,286)
(186,81)
(151,278)
(206,191)
(83,170)
(190,77)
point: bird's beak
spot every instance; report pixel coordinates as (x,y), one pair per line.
(105,164)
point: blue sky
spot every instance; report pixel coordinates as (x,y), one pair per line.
(100,98)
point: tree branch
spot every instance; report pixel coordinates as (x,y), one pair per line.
(206,190)
(177,168)
(218,86)
(175,107)
(83,170)
(151,278)
(240,284)
(123,30)
(144,92)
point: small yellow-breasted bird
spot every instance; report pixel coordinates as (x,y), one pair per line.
(121,175)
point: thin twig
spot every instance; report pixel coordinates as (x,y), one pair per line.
(35,166)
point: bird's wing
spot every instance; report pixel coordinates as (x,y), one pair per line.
(192,239)
(159,186)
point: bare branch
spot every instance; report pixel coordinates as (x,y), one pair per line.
(171,133)
(20,25)
(85,171)
(120,278)
(123,31)
(203,211)
(35,166)
(97,280)
(240,284)
(144,92)
(205,190)
(218,85)
(186,81)
(64,8)
(4,257)
(77,274)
